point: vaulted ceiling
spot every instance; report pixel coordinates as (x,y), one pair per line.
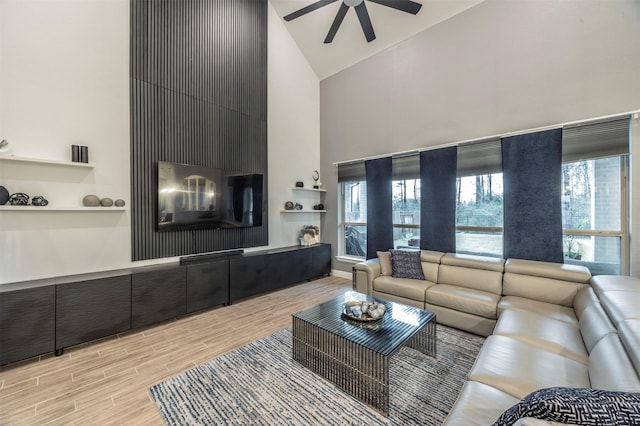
(349,44)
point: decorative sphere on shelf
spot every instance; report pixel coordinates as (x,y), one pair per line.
(298,206)
(106,202)
(119,202)
(4,195)
(91,201)
(39,200)
(288,205)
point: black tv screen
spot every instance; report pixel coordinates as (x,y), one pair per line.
(195,197)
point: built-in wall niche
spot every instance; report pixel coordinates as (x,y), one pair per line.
(204,104)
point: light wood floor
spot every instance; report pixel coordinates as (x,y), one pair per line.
(107,381)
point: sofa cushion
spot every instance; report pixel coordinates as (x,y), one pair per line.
(555,271)
(549,310)
(384,258)
(478,404)
(464,299)
(402,287)
(406,264)
(431,264)
(555,336)
(621,305)
(629,331)
(586,297)
(594,325)
(519,368)
(475,272)
(601,283)
(582,406)
(543,289)
(610,368)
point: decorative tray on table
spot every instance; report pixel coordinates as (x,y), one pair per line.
(363,311)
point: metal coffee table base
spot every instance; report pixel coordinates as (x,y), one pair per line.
(359,371)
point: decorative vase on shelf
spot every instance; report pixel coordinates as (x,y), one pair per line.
(5,148)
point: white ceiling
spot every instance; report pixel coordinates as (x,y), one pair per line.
(349,46)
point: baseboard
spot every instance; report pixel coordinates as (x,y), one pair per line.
(341,274)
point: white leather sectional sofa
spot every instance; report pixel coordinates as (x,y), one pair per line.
(548,325)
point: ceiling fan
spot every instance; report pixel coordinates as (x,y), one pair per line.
(361,10)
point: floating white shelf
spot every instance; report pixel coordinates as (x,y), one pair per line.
(61,209)
(310,189)
(303,211)
(41,161)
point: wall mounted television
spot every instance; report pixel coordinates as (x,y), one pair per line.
(194,197)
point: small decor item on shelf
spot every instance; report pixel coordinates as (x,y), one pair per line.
(39,201)
(316,179)
(363,311)
(299,184)
(298,206)
(309,235)
(4,195)
(5,149)
(91,201)
(106,202)
(18,199)
(75,153)
(119,202)
(288,205)
(84,154)
(318,207)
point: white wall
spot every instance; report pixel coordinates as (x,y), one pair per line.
(293,133)
(501,66)
(64,80)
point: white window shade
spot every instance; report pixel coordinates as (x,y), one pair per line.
(595,140)
(480,158)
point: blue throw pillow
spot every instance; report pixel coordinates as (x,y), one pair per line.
(582,406)
(406,264)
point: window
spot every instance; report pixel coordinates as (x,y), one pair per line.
(406,213)
(479,214)
(593,219)
(354,224)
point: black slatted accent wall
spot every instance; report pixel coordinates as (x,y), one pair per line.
(198,96)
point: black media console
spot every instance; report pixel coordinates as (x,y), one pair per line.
(47,316)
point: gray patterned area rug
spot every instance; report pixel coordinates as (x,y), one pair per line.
(260,384)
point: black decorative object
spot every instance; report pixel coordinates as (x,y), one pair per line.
(75,153)
(299,184)
(84,154)
(19,199)
(39,201)
(316,179)
(4,195)
(288,205)
(318,207)
(361,10)
(298,206)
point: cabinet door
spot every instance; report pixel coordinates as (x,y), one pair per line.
(249,275)
(27,323)
(157,296)
(321,260)
(89,310)
(290,267)
(207,285)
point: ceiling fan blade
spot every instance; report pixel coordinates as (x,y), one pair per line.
(336,23)
(403,5)
(365,22)
(313,6)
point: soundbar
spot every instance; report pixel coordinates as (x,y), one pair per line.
(200,257)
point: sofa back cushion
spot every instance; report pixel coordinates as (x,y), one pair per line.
(586,297)
(630,335)
(475,272)
(610,368)
(544,281)
(430,264)
(594,325)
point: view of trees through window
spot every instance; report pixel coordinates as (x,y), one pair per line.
(592,205)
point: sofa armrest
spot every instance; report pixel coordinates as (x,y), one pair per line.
(363,275)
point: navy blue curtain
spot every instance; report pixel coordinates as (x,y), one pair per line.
(532,180)
(379,206)
(438,170)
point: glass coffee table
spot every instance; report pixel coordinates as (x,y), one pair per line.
(355,355)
